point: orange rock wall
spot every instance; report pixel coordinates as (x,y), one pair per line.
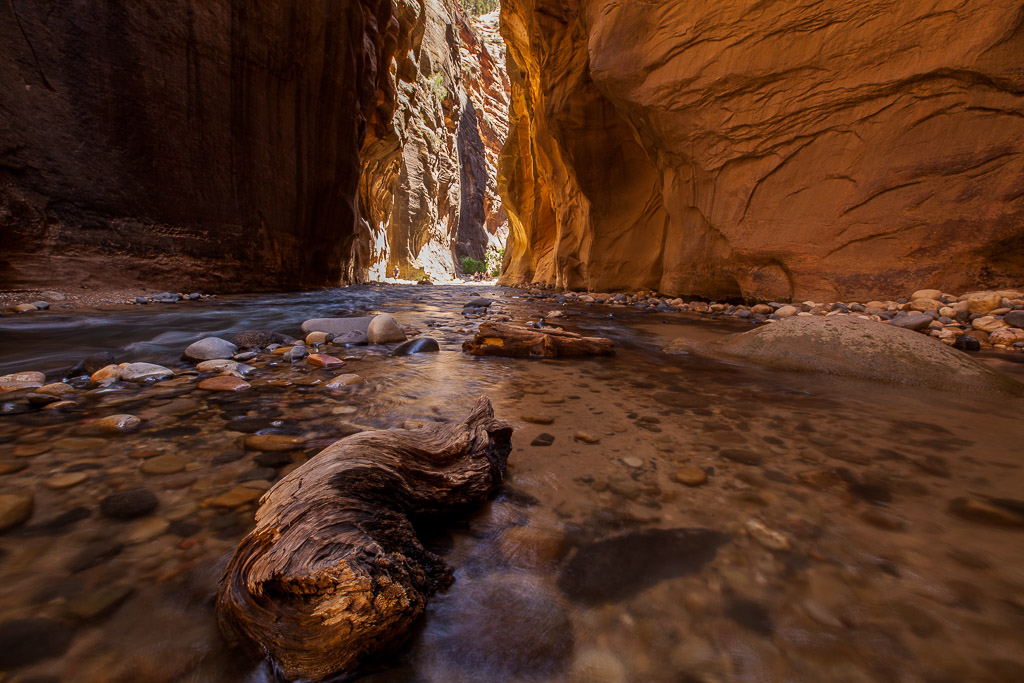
(832,149)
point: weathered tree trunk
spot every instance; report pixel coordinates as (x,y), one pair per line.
(496,339)
(333,573)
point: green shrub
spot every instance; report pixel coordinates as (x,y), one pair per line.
(470,265)
(477,7)
(437,87)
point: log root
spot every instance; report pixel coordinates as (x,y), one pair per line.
(497,339)
(333,574)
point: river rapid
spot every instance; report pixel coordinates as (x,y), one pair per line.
(679,519)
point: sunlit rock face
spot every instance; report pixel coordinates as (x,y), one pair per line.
(843,148)
(173,143)
(428,195)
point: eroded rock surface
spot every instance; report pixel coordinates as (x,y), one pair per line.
(428,195)
(780,151)
(853,347)
(159,141)
(244,146)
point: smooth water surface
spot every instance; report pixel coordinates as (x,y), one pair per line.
(820,548)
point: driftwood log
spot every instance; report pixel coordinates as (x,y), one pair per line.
(333,573)
(497,339)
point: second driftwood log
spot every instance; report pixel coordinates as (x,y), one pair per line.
(497,339)
(333,573)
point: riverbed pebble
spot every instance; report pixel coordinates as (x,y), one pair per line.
(343,381)
(22,380)
(209,348)
(140,372)
(129,503)
(65,480)
(272,442)
(169,463)
(323,360)
(15,509)
(236,497)
(116,424)
(691,476)
(224,383)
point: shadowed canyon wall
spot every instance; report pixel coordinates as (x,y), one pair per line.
(229,145)
(169,141)
(832,148)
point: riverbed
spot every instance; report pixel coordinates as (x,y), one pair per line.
(664,518)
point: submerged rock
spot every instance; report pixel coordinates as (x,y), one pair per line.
(129,504)
(26,641)
(15,509)
(502,627)
(420,345)
(260,339)
(91,363)
(858,348)
(618,568)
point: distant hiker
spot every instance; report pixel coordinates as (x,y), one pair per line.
(396,272)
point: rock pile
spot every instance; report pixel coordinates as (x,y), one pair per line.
(970,321)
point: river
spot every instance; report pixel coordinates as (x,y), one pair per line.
(820,547)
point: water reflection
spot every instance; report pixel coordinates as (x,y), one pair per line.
(819,544)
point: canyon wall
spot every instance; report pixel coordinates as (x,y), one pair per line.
(234,146)
(826,149)
(178,143)
(429,191)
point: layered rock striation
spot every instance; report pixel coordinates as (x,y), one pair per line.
(168,141)
(768,150)
(236,146)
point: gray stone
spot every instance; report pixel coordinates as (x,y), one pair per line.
(337,326)
(1014,319)
(138,372)
(260,339)
(854,347)
(41,305)
(350,339)
(384,330)
(917,321)
(210,348)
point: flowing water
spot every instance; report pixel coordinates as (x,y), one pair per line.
(821,546)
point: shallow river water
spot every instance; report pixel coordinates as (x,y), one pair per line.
(821,546)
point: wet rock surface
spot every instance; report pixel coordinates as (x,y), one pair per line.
(702,149)
(615,569)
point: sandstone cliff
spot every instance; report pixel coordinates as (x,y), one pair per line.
(773,150)
(175,143)
(239,146)
(429,192)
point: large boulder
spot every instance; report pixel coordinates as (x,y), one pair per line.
(384,330)
(337,326)
(854,347)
